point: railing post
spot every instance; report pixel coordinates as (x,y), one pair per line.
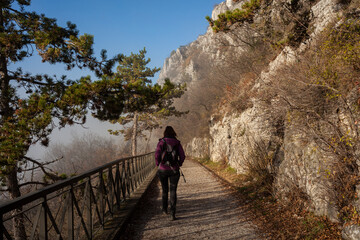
(88,207)
(43,235)
(143,167)
(139,169)
(70,211)
(127,177)
(123,180)
(101,197)
(134,173)
(147,165)
(144,164)
(131,186)
(117,185)
(2,232)
(138,172)
(111,190)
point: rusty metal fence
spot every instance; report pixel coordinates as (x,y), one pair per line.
(78,207)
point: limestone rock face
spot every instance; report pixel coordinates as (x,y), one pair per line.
(225,6)
(175,64)
(236,136)
(181,67)
(303,169)
(198,148)
(351,232)
(300,164)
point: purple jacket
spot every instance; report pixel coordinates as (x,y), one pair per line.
(160,146)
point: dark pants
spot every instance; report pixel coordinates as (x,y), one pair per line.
(165,177)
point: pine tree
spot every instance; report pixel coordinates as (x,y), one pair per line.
(49,102)
(29,118)
(144,115)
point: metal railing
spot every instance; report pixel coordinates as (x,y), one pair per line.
(78,207)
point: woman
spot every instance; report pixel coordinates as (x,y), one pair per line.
(169,172)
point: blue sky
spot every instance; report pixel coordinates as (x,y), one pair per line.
(127,26)
(121,27)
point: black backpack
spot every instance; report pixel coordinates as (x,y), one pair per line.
(169,154)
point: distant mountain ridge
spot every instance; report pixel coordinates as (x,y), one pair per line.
(174,64)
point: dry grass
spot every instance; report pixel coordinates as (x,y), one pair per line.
(277,221)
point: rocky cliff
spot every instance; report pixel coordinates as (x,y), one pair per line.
(277,104)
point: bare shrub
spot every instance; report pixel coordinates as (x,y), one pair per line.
(239,97)
(260,164)
(83,153)
(320,94)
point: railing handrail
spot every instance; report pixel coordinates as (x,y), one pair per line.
(27,198)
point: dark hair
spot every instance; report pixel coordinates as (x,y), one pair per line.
(169,132)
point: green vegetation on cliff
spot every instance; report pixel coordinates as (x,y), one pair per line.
(225,20)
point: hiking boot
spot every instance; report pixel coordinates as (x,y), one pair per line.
(164,211)
(172,217)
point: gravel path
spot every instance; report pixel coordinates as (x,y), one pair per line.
(206,209)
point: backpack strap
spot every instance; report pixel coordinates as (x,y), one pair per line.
(164,145)
(163,150)
(175,147)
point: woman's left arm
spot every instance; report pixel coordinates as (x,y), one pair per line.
(181,155)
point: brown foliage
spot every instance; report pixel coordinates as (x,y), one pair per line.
(260,166)
(275,220)
(83,153)
(319,94)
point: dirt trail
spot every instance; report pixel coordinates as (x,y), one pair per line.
(206,209)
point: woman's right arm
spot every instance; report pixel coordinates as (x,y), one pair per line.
(181,155)
(158,153)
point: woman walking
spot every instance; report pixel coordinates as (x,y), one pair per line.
(169,156)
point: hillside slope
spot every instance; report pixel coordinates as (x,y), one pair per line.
(273,91)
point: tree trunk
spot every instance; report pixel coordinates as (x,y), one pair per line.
(134,134)
(4,79)
(5,112)
(14,190)
(4,90)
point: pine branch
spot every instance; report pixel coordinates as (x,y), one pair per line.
(16,11)
(52,176)
(29,80)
